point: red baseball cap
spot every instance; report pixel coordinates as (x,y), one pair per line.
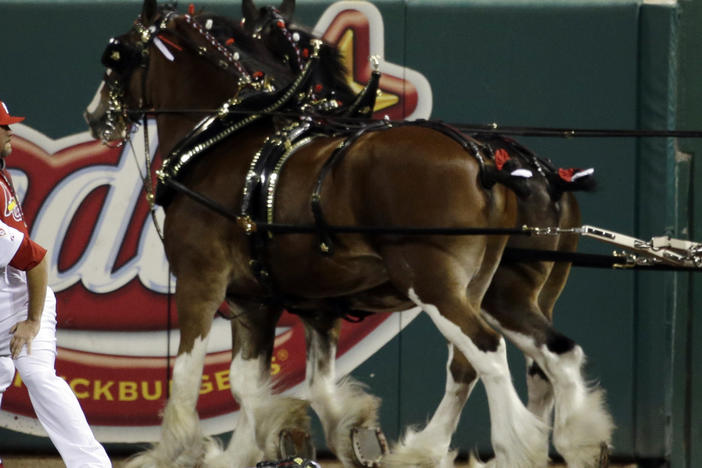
(6,118)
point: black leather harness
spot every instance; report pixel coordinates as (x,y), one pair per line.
(258,197)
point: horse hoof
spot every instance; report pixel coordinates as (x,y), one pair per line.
(369,446)
(296,443)
(604,455)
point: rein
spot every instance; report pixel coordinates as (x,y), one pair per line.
(661,253)
(148,181)
(492,128)
(250,226)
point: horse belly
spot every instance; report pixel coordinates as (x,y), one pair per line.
(301,269)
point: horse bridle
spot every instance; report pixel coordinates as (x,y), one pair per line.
(119,57)
(279,23)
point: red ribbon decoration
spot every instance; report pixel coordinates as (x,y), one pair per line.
(566,174)
(501,157)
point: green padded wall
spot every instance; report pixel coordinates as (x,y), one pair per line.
(687,437)
(556,63)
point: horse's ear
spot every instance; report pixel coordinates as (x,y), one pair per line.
(250,12)
(149,11)
(287,9)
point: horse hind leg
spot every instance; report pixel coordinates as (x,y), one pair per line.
(349,415)
(539,392)
(448,282)
(540,404)
(581,422)
(582,425)
(430,447)
(517,435)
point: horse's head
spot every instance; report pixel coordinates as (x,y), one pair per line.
(272,26)
(125,57)
(170,61)
(291,45)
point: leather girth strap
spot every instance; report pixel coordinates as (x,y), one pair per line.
(326,243)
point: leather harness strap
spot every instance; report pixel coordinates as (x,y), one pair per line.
(326,244)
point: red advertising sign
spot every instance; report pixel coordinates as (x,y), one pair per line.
(117,331)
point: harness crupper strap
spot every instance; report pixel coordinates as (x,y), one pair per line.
(556,185)
(489,175)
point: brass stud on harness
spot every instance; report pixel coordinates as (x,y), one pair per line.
(316,46)
(247,224)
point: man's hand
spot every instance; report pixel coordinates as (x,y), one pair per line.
(22,334)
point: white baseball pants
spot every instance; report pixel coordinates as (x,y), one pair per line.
(54,402)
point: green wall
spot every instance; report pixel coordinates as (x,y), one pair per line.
(686,434)
(591,64)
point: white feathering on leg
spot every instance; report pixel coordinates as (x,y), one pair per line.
(517,435)
(581,421)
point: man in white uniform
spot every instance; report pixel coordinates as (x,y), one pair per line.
(28,328)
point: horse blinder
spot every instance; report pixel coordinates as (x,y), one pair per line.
(120,57)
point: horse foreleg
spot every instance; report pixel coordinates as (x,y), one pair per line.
(348,414)
(269,426)
(249,387)
(431,446)
(182,443)
(198,294)
(182,437)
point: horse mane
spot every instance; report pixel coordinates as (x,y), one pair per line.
(334,72)
(254,55)
(224,28)
(331,72)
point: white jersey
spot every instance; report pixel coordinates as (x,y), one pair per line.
(13,284)
(10,241)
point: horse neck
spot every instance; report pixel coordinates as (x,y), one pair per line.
(189,87)
(173,129)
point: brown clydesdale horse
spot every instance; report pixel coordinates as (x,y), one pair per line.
(521,296)
(391,175)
